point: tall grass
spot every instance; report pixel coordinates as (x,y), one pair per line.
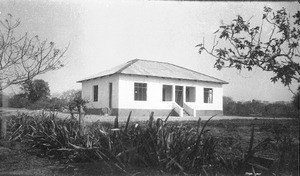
(173,147)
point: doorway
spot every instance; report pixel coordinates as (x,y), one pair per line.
(110,96)
(179,95)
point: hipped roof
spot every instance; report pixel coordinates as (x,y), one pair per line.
(156,69)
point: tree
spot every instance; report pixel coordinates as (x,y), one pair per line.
(248,47)
(22,58)
(18,101)
(296,99)
(35,90)
(72,100)
(228,106)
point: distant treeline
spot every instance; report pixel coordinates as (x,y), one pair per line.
(259,108)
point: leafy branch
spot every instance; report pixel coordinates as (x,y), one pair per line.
(248,47)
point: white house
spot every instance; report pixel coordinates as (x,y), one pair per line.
(143,86)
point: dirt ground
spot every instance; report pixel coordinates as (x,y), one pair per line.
(16,161)
(94,118)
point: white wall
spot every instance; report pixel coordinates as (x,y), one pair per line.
(217,97)
(103,91)
(154,93)
(123,85)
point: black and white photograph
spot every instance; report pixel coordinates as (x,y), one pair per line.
(149,87)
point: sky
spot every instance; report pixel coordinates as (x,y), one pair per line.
(104,34)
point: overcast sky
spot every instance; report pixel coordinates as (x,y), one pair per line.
(105,34)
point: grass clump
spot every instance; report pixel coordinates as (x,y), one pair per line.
(195,148)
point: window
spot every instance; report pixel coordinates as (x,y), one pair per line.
(208,95)
(140,91)
(190,94)
(95,90)
(167,93)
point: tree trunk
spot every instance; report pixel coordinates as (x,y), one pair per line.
(81,120)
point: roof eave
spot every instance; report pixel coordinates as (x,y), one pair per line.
(84,80)
(117,72)
(221,82)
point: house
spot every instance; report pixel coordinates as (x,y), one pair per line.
(143,86)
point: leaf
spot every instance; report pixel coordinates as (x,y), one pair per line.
(230,50)
(198,125)
(224,34)
(75,146)
(250,148)
(216,31)
(203,128)
(116,124)
(159,123)
(169,115)
(264,16)
(151,119)
(173,161)
(267,9)
(127,123)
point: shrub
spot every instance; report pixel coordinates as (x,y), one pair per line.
(283,143)
(258,108)
(173,147)
(52,104)
(18,101)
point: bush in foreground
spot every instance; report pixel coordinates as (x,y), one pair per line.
(173,147)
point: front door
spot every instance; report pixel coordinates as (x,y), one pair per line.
(179,95)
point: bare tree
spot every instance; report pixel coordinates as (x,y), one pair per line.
(22,58)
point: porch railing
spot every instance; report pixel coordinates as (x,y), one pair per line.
(178,109)
(191,111)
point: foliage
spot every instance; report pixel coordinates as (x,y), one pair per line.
(283,143)
(55,104)
(258,108)
(229,106)
(171,146)
(296,99)
(246,47)
(174,148)
(35,90)
(35,95)
(273,141)
(72,100)
(18,101)
(51,104)
(24,57)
